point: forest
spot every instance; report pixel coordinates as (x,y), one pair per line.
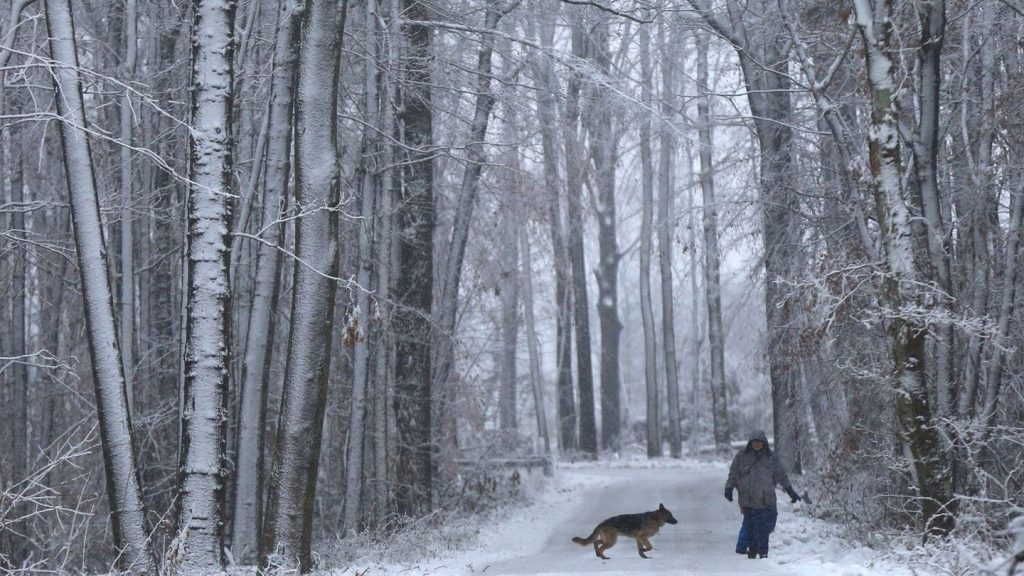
(278,273)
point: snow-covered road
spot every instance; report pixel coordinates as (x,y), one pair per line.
(702,542)
(536,539)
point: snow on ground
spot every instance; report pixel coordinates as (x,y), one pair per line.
(535,538)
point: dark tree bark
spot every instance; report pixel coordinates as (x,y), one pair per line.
(581,302)
(414,283)
(604,156)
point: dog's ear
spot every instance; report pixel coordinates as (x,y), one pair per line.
(661,506)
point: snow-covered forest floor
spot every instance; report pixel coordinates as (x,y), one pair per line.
(533,535)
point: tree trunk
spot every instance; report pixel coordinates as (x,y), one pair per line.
(470,187)
(978,207)
(509,287)
(647,193)
(547,105)
(581,305)
(907,334)
(532,342)
(603,153)
(666,193)
(361,316)
(712,284)
(993,390)
(926,149)
(128,516)
(204,413)
(127,333)
(19,455)
(766,75)
(288,526)
(247,517)
(413,289)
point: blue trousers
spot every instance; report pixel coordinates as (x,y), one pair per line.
(758,523)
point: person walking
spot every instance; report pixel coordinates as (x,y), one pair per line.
(755,472)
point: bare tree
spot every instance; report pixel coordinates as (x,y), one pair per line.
(665,219)
(127,513)
(201,507)
(574,208)
(604,152)
(288,525)
(646,241)
(712,282)
(906,332)
(547,108)
(247,511)
(414,281)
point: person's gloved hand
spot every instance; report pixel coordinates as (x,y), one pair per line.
(728,494)
(794,497)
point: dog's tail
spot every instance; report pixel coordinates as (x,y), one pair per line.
(585,541)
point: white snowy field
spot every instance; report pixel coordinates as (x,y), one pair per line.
(536,539)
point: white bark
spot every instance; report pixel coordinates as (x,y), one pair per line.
(200,545)
(128,517)
(288,525)
(247,517)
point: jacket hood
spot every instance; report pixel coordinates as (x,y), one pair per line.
(758,435)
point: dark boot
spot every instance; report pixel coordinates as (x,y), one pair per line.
(752,555)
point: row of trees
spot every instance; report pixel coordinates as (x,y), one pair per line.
(310,239)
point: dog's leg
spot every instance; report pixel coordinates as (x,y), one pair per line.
(643,545)
(606,540)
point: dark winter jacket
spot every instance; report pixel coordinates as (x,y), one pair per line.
(756,474)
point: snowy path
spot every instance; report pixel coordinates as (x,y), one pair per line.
(702,542)
(537,541)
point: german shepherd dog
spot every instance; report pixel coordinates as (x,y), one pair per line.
(640,526)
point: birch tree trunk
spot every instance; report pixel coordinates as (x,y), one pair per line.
(547,106)
(414,281)
(128,516)
(666,193)
(288,525)
(932,470)
(712,284)
(247,516)
(647,193)
(203,466)
(581,305)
